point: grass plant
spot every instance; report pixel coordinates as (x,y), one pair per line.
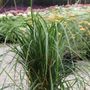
(48,52)
(49,48)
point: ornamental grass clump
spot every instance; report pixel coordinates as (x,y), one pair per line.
(48,52)
(49,48)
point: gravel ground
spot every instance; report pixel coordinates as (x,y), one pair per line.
(10,73)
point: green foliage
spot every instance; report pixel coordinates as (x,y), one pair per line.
(7,26)
(46,52)
(48,48)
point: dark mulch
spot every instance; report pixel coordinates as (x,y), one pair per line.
(22,9)
(5,9)
(18,9)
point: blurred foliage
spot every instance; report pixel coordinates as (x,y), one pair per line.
(1,3)
(41,2)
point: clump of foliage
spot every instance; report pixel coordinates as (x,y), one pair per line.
(7,26)
(48,47)
(46,52)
